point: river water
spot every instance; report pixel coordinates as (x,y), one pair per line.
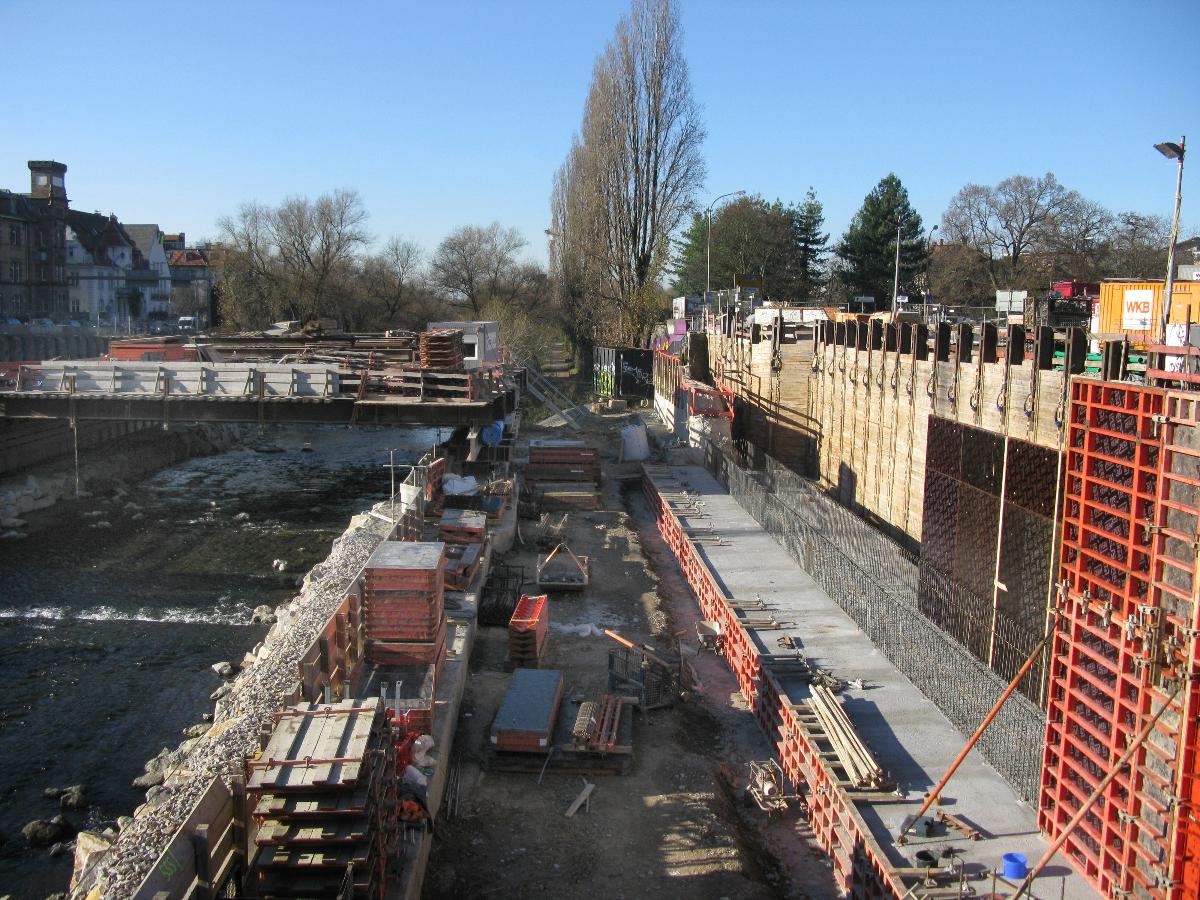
(111,616)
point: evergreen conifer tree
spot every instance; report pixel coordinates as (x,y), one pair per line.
(867,251)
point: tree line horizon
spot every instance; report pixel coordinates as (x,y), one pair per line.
(627,232)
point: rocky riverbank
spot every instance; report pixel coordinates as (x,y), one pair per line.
(114,865)
(106,469)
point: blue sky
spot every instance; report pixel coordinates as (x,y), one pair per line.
(448,113)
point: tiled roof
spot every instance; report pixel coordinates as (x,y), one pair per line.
(144,237)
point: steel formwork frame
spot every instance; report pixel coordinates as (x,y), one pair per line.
(1125,634)
(859,865)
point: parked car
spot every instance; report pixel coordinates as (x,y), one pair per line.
(72,323)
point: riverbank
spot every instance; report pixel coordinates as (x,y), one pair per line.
(109,630)
(107,469)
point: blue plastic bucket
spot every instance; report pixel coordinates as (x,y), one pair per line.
(1015,865)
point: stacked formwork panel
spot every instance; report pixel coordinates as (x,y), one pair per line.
(441,348)
(322,797)
(1125,639)
(835,821)
(527,631)
(403,596)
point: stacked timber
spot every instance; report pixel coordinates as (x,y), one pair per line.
(862,770)
(565,474)
(403,587)
(323,802)
(442,348)
(527,630)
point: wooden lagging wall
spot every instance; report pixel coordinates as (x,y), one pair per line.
(873,390)
(859,865)
(1126,638)
(773,383)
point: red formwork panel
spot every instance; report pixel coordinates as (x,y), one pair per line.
(1111,476)
(859,866)
(1169,788)
(1125,637)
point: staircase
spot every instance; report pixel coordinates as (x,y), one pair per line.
(546,391)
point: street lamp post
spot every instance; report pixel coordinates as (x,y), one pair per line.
(896,279)
(1172,150)
(928,284)
(708,240)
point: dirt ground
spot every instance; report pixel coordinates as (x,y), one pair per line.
(674,826)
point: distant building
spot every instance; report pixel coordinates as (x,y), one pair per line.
(154,280)
(33,263)
(100,252)
(194,282)
(172,242)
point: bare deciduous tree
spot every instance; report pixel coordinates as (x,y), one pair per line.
(1138,248)
(1006,223)
(475,264)
(294,259)
(392,278)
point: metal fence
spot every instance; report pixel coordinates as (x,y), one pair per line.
(876,582)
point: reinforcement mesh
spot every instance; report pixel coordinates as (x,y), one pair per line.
(877,582)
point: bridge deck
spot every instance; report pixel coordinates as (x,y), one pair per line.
(249,392)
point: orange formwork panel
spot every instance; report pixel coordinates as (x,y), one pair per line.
(1126,634)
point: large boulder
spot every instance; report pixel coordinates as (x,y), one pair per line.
(46,832)
(225,669)
(74,797)
(148,779)
(90,848)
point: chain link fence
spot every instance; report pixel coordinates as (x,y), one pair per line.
(876,582)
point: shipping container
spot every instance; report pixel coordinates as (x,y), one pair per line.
(1134,308)
(623,372)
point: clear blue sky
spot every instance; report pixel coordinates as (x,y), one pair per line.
(449,113)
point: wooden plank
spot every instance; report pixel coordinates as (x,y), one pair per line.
(175,870)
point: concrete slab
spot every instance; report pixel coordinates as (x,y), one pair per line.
(407,555)
(913,741)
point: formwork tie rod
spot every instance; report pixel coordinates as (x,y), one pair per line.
(1056,845)
(932,796)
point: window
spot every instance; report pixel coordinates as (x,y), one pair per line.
(74,279)
(41,180)
(14,235)
(470,348)
(41,238)
(43,272)
(14,271)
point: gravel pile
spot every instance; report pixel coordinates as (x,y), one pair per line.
(259,691)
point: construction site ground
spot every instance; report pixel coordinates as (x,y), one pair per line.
(679,824)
